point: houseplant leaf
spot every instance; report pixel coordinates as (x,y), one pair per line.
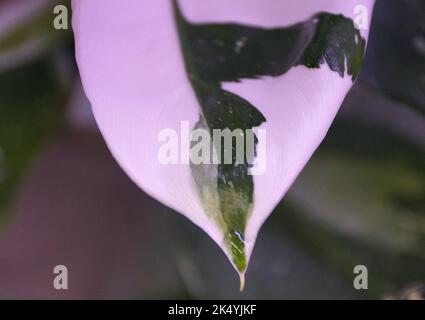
(154,68)
(30,111)
(398,27)
(26,31)
(32,87)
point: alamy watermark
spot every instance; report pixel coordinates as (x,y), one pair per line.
(361,281)
(224,146)
(60,22)
(361,17)
(60,282)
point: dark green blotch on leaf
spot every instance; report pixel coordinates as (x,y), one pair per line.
(217,53)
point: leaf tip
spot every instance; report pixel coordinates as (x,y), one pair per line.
(241,281)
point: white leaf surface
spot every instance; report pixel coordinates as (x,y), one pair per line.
(134,75)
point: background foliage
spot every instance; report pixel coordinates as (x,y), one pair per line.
(361,199)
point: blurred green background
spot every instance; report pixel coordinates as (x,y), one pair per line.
(64,200)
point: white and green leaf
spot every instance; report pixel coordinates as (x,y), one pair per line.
(149,65)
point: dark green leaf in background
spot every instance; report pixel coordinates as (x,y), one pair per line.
(395,57)
(32,100)
(33,92)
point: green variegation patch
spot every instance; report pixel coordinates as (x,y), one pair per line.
(217,53)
